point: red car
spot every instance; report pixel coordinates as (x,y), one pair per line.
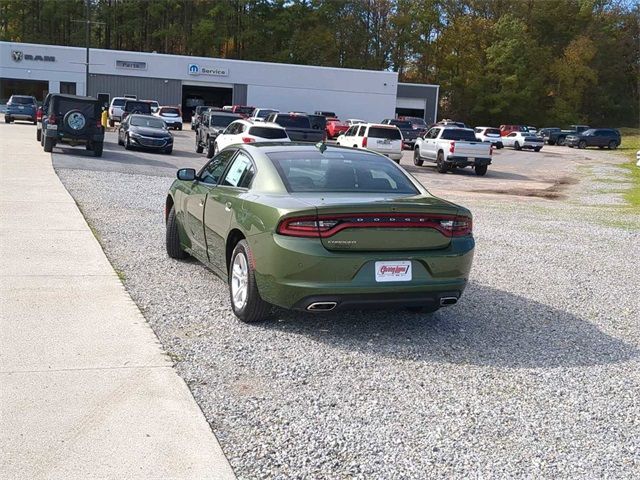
(507,129)
(335,127)
(243,110)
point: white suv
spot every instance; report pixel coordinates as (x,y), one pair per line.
(115,109)
(246,131)
(489,134)
(384,139)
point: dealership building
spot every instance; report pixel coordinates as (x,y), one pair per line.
(189,81)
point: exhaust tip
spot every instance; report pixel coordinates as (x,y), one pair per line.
(321,306)
(446,301)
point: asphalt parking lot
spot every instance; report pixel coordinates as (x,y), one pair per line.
(535,373)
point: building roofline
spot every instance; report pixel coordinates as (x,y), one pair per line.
(186,57)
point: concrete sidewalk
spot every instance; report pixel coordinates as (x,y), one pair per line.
(85,389)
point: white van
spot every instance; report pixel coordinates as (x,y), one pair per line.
(384,139)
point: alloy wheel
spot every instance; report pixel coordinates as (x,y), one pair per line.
(239,281)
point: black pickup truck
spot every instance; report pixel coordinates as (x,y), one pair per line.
(555,136)
(409,134)
(298,127)
(212,123)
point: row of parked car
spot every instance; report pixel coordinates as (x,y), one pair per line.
(120,107)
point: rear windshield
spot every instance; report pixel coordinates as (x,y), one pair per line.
(318,122)
(401,124)
(137,106)
(340,172)
(150,122)
(169,111)
(265,113)
(221,120)
(459,134)
(381,132)
(268,132)
(118,102)
(244,110)
(22,100)
(493,131)
(295,121)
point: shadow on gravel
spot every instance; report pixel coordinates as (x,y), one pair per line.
(489,327)
(466,172)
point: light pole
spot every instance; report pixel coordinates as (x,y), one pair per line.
(87,42)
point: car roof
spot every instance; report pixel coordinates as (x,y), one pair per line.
(143,116)
(224,113)
(74,97)
(272,147)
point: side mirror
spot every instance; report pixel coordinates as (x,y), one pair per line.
(186,174)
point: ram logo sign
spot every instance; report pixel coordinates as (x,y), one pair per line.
(194,69)
(18,56)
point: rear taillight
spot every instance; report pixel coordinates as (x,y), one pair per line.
(99,123)
(52,119)
(39,114)
(452,147)
(457,226)
(248,139)
(328,225)
(364,142)
(491,149)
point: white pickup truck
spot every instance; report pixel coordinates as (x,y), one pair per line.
(452,147)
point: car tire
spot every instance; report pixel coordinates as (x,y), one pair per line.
(441,166)
(551,142)
(39,135)
(7,119)
(537,149)
(517,146)
(168,150)
(199,147)
(417,161)
(481,170)
(48,144)
(613,145)
(561,141)
(127,142)
(34,122)
(499,145)
(120,142)
(97,149)
(582,144)
(112,123)
(246,302)
(180,128)
(172,239)
(209,153)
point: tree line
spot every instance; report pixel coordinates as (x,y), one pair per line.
(540,62)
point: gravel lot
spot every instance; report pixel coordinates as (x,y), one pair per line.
(535,373)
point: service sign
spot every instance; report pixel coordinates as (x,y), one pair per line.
(195,69)
(127,65)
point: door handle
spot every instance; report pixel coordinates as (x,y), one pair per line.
(227,206)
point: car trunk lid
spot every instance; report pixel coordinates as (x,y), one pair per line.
(382,224)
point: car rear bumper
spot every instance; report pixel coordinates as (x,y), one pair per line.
(21,115)
(294,272)
(461,161)
(532,146)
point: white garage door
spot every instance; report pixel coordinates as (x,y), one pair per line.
(413,103)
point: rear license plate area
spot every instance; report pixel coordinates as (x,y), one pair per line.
(393,271)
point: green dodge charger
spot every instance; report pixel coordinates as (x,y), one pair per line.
(317,228)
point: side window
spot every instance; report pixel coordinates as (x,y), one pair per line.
(434,133)
(215,168)
(349,132)
(240,172)
(231,129)
(361,131)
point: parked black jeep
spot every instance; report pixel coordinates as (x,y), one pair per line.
(73,120)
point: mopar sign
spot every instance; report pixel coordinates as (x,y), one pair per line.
(18,56)
(195,69)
